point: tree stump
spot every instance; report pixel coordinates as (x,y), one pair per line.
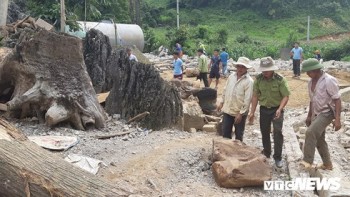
(97,51)
(28,170)
(139,88)
(47,76)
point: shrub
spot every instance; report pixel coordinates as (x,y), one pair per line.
(292,38)
(243,39)
(202,32)
(222,36)
(337,52)
(346,59)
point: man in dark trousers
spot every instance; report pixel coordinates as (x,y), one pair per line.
(203,67)
(272,93)
(297,54)
(236,100)
(214,67)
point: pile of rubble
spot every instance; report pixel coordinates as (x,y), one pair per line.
(164,63)
(14,33)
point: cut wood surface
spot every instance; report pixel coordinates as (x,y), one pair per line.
(102,97)
(3,107)
(28,170)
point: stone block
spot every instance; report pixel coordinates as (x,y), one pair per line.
(237,165)
(193,116)
(210,128)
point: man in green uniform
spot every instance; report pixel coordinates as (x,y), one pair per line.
(272,93)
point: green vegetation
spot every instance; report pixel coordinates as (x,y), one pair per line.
(253,29)
(96,10)
(245,27)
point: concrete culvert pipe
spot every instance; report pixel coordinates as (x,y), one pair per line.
(119,34)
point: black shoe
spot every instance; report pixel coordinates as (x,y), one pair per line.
(278,163)
(266,155)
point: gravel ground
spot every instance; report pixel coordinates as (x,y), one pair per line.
(177,163)
(156,163)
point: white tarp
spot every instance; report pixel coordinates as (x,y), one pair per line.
(87,163)
(55,142)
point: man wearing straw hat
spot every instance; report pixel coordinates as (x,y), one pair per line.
(325,107)
(272,93)
(236,99)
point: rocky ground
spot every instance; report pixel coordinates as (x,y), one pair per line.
(177,163)
(156,163)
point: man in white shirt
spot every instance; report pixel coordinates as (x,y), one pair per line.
(132,57)
(237,96)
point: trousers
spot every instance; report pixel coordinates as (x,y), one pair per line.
(296,67)
(228,123)
(315,137)
(204,77)
(267,116)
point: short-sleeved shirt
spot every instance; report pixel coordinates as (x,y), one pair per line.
(178,48)
(132,57)
(326,91)
(271,91)
(224,57)
(177,66)
(215,63)
(297,53)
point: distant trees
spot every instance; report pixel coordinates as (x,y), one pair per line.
(272,8)
(96,10)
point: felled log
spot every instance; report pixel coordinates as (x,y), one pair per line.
(48,78)
(138,88)
(28,170)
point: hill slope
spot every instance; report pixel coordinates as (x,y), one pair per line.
(243,26)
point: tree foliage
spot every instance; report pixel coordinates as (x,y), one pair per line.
(96,10)
(272,8)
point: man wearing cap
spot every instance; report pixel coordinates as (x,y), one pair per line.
(236,99)
(325,106)
(272,93)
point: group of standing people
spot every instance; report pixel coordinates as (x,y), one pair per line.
(217,62)
(242,95)
(212,67)
(270,90)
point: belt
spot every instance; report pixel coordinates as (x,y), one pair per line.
(264,107)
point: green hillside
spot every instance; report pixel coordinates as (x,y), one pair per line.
(249,31)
